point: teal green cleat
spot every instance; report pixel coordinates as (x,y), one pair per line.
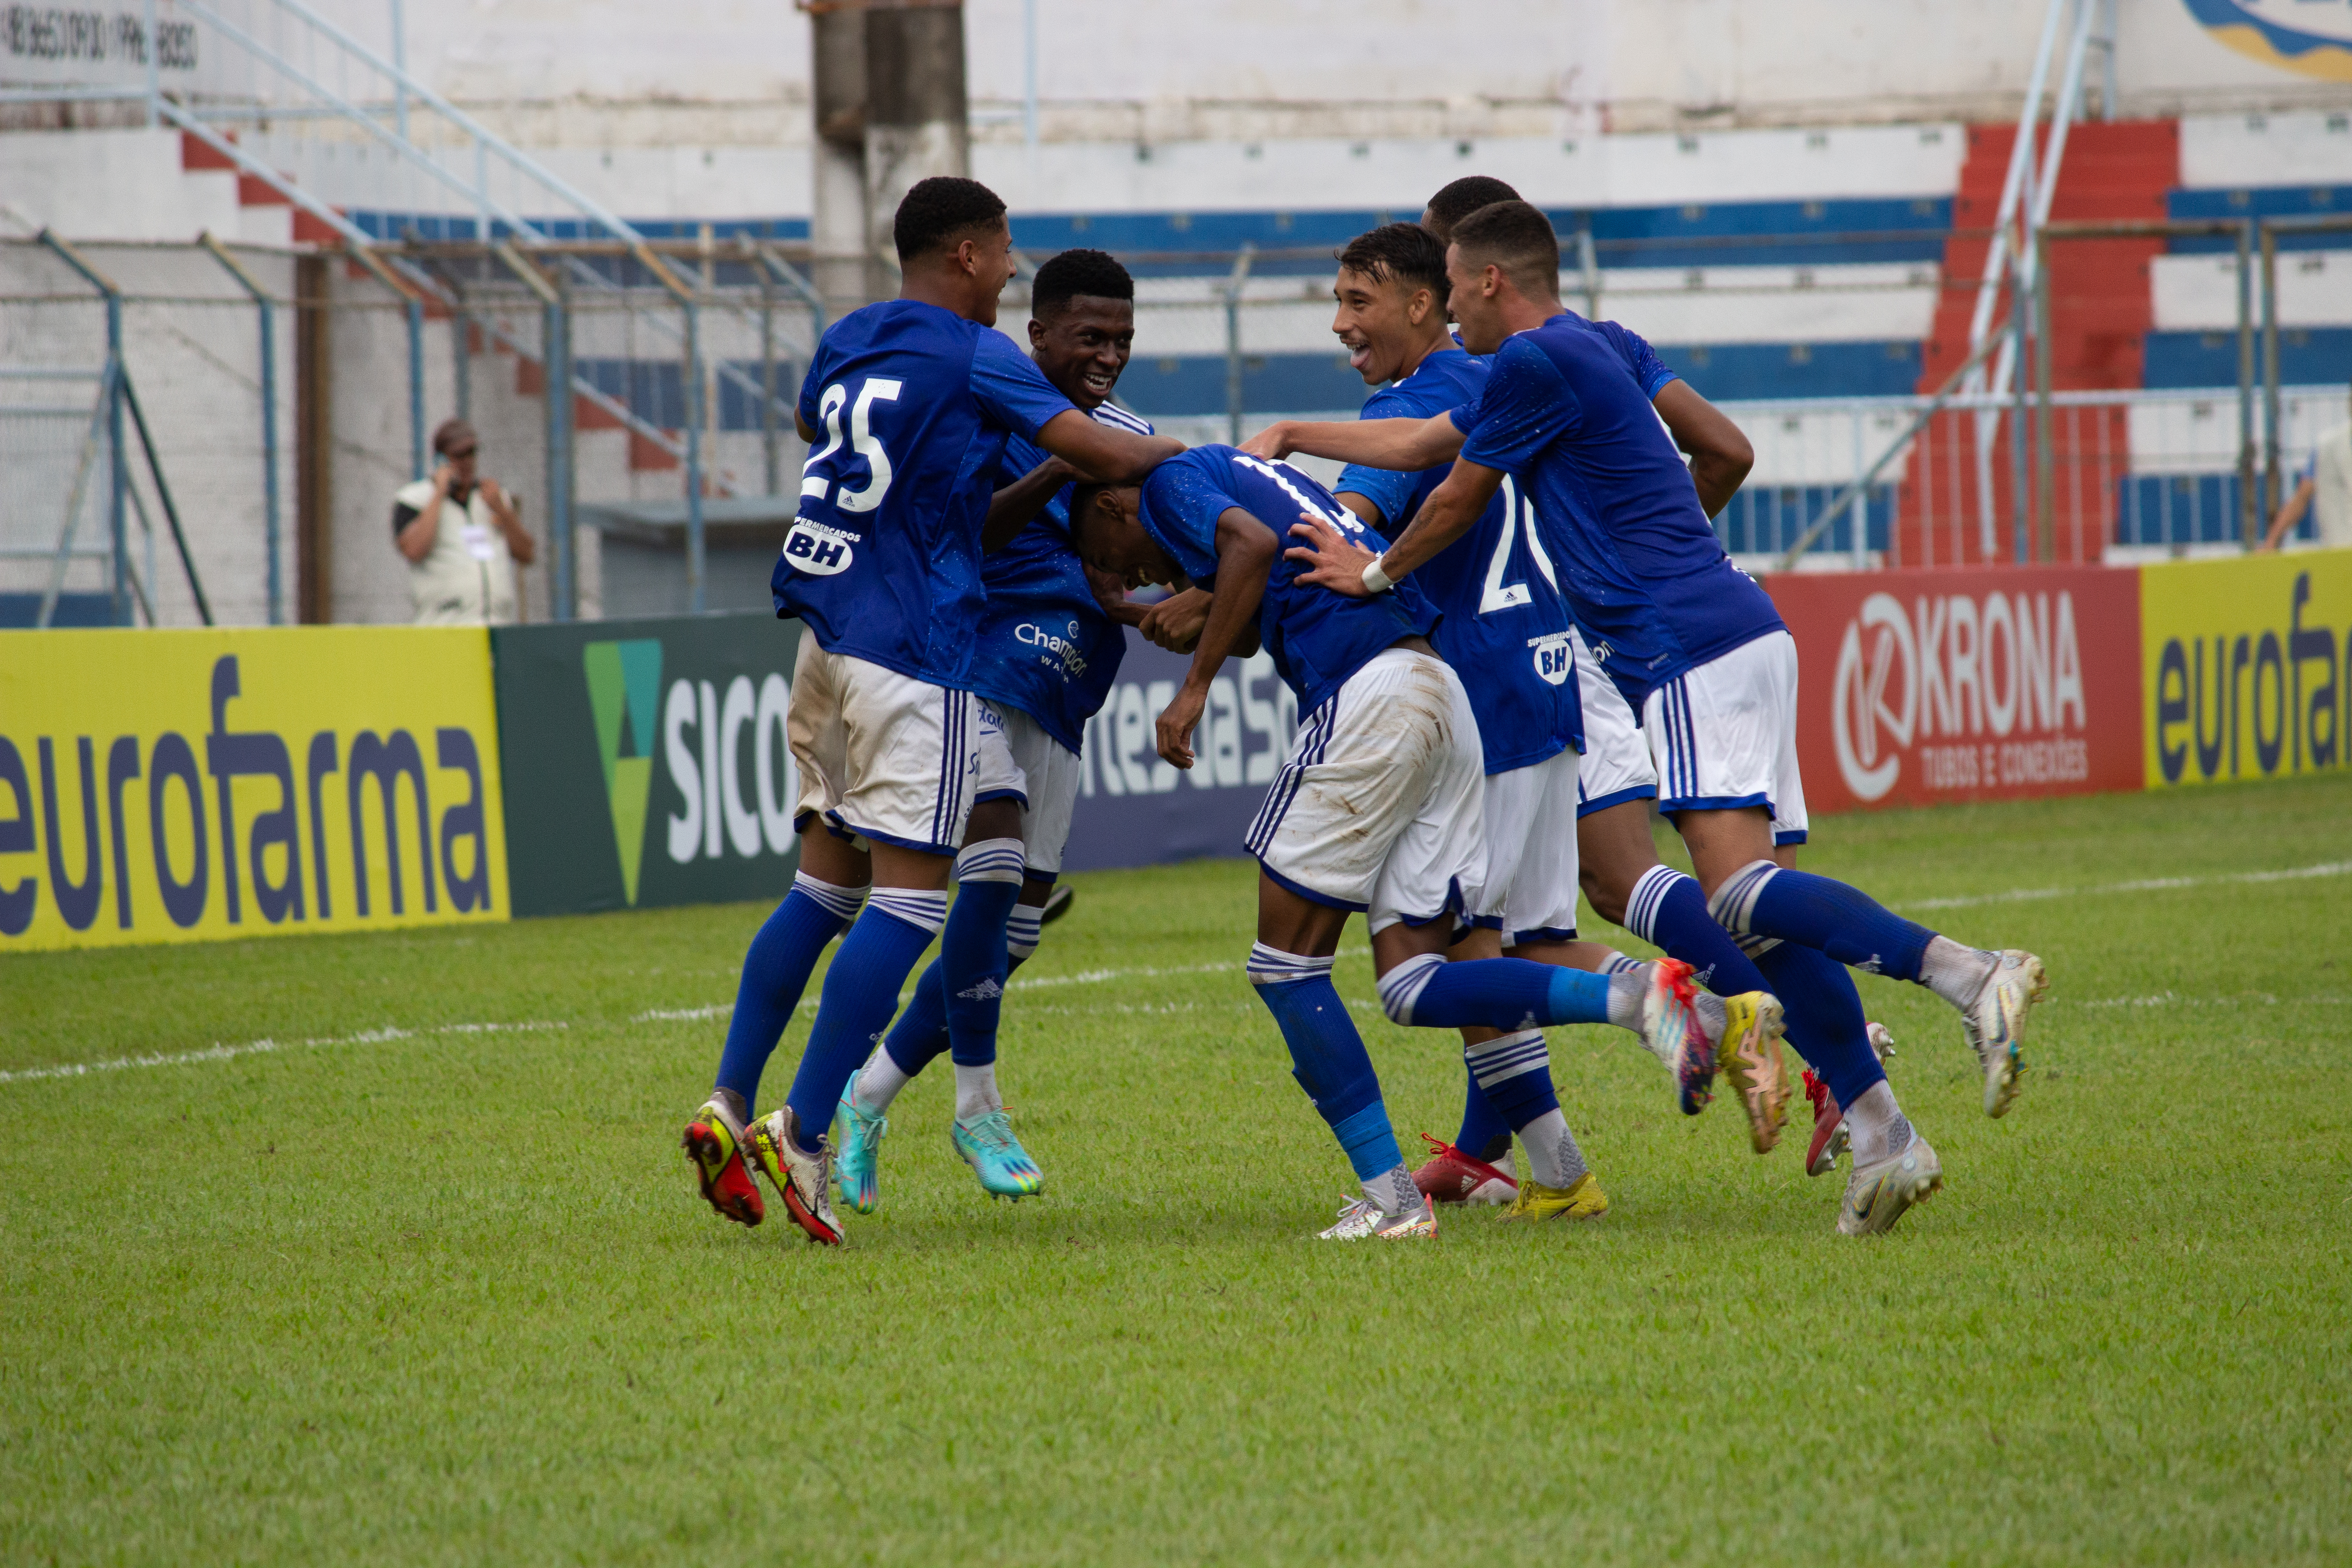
(996,1157)
(858,1167)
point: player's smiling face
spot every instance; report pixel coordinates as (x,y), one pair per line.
(1084,347)
(1381,322)
(987,255)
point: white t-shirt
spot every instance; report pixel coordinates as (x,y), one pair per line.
(2331,499)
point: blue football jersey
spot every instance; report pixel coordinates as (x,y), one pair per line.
(1566,412)
(1317,637)
(1505,627)
(912,404)
(1045,645)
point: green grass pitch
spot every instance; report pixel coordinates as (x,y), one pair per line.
(446,1295)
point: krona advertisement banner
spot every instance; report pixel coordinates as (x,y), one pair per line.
(2247,667)
(1924,687)
(185,785)
(647,762)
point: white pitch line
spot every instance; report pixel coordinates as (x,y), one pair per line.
(2151,884)
(259,1047)
(1082,977)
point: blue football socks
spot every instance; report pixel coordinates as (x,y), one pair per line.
(972,960)
(775,971)
(1767,899)
(861,992)
(1511,994)
(1484,1134)
(1328,1057)
(1825,1018)
(1668,910)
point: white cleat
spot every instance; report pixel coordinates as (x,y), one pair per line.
(804,1181)
(1360,1219)
(1995,1023)
(1878,1194)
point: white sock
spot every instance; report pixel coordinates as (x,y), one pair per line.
(1877,1125)
(1956,974)
(976,1090)
(1392,1191)
(1627,990)
(1553,1158)
(877,1083)
(1713,1015)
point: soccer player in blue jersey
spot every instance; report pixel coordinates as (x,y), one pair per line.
(1049,652)
(1378,808)
(906,408)
(1697,645)
(1508,633)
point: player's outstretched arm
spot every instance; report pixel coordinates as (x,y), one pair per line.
(1016,506)
(1102,452)
(1718,449)
(1337,562)
(1245,554)
(1404,446)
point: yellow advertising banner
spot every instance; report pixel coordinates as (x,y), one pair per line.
(2246,665)
(197,785)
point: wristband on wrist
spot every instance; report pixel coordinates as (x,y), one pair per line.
(1375,580)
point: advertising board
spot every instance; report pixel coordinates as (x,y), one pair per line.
(2244,666)
(185,785)
(2000,683)
(646,761)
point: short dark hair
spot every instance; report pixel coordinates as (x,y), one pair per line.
(452,435)
(1403,253)
(1465,196)
(1516,237)
(940,209)
(1094,273)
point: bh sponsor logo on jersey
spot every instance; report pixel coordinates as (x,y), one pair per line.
(1061,646)
(1555,658)
(1972,690)
(2249,667)
(180,785)
(819,547)
(729,771)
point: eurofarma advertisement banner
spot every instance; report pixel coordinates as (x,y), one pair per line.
(184,786)
(647,761)
(2244,664)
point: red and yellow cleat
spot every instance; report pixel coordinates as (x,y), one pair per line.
(1830,1136)
(715,1143)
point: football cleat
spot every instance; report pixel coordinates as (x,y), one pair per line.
(1995,1023)
(1581,1199)
(856,1168)
(1749,1058)
(1360,1219)
(1057,903)
(996,1157)
(1882,1043)
(1671,1029)
(1831,1137)
(1451,1177)
(715,1143)
(803,1180)
(1878,1194)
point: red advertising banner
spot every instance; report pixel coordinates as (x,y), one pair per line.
(1994,683)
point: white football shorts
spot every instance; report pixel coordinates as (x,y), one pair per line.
(1616,766)
(1380,807)
(1724,735)
(885,758)
(1018,761)
(1529,892)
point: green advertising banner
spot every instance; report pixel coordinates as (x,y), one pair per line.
(645,762)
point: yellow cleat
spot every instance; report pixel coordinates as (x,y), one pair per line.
(1581,1199)
(1749,1056)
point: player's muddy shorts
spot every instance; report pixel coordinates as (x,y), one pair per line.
(1380,807)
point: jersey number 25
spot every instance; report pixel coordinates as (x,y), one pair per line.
(861,440)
